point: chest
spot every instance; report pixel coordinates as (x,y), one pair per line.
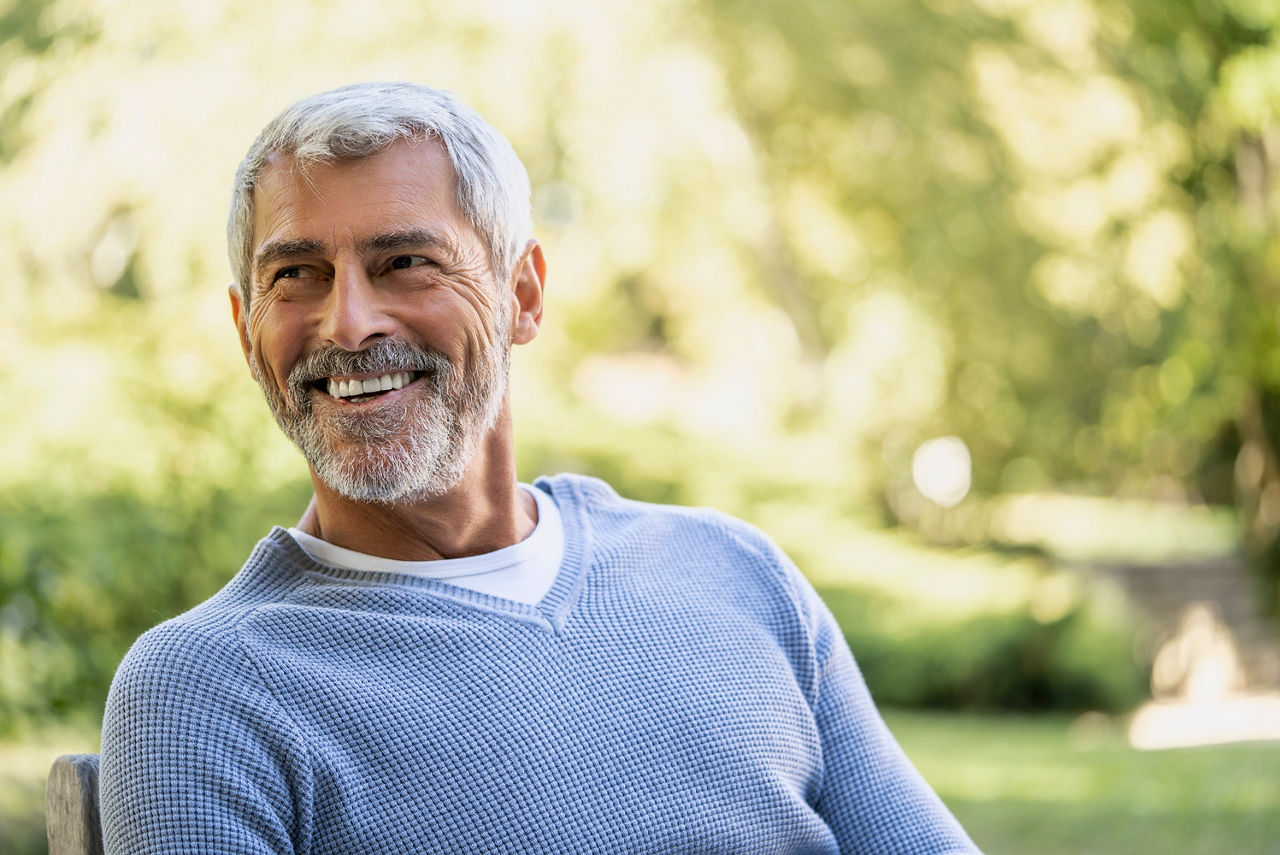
(472,732)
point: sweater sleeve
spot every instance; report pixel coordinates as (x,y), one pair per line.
(871,795)
(196,755)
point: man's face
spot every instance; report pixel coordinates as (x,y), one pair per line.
(376,327)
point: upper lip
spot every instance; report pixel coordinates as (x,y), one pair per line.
(365,375)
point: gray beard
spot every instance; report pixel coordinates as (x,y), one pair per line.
(418,448)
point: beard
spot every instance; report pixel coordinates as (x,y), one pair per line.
(417,447)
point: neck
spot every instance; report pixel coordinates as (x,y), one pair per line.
(483,512)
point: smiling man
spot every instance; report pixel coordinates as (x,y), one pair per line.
(438,658)
(380,333)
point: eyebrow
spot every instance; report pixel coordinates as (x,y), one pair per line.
(409,239)
(283,250)
(279,250)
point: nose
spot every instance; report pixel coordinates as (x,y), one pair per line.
(355,312)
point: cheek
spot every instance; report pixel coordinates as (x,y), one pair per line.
(275,347)
(449,326)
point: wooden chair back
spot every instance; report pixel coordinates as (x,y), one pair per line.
(71,806)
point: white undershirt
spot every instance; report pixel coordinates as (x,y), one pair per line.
(523,571)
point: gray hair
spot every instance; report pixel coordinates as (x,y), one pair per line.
(366,118)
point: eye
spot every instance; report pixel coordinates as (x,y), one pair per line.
(298,281)
(404,262)
(289,273)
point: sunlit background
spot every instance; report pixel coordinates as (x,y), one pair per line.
(971,305)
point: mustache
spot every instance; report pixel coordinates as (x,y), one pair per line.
(386,356)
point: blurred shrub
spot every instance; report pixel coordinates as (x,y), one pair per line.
(1081,660)
(82,576)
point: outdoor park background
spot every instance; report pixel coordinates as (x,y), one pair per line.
(789,245)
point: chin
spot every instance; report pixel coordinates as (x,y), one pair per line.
(420,449)
(394,475)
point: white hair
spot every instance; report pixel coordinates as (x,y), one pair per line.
(367,118)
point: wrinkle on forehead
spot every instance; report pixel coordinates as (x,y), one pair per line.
(285,167)
(286,181)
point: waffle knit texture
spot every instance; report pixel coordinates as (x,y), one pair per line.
(681,688)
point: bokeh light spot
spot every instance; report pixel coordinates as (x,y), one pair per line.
(942,470)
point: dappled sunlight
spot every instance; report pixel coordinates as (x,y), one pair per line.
(1199,684)
(1187,723)
(1083,527)
(634,388)
(1158,246)
(891,367)
(1074,284)
(1200,662)
(1036,113)
(939,584)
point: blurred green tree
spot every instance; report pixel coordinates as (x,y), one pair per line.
(788,243)
(1074,198)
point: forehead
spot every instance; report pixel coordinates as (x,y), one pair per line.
(410,184)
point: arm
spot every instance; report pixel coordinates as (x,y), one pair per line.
(873,799)
(196,755)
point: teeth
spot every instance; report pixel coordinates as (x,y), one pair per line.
(355,388)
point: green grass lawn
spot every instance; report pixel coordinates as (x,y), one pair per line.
(1018,784)
(1043,785)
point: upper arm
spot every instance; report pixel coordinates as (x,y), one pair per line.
(871,796)
(197,756)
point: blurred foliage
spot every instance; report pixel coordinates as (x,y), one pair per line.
(84,576)
(989,661)
(788,243)
(967,628)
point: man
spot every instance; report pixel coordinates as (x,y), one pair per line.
(438,658)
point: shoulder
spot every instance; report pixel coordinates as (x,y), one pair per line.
(702,556)
(190,657)
(193,648)
(197,752)
(612,514)
(716,546)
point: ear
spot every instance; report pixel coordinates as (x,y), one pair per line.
(529,280)
(240,315)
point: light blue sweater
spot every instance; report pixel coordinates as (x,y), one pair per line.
(680,689)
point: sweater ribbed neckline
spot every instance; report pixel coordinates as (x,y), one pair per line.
(550,612)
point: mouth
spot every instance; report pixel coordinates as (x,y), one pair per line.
(358,389)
